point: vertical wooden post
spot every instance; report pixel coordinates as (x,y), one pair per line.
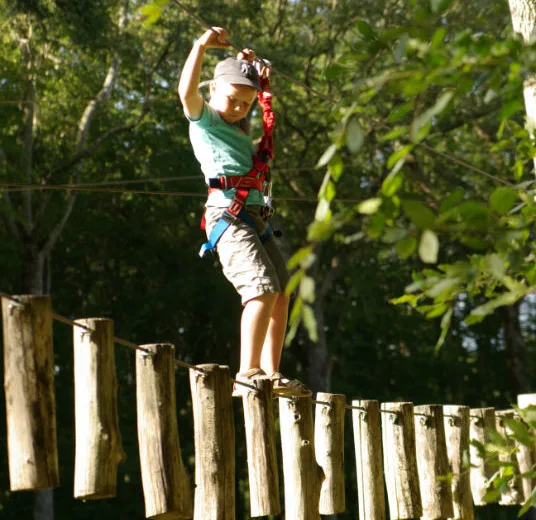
(400,461)
(514,495)
(260,442)
(329,447)
(432,462)
(29,392)
(526,456)
(98,449)
(166,486)
(456,421)
(369,463)
(301,474)
(481,420)
(214,437)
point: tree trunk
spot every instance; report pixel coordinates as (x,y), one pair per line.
(523,13)
(515,349)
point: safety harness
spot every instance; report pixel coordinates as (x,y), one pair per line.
(257,178)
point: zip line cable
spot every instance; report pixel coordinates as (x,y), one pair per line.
(326,97)
(17,187)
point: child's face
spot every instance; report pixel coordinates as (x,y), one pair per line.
(232,102)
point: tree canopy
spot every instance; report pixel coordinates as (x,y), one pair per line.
(403,180)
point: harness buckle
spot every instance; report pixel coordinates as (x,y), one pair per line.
(234,208)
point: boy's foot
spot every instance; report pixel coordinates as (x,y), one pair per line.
(284,387)
(247,377)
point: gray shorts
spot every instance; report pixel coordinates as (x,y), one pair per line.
(252,267)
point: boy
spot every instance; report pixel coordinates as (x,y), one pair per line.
(257,270)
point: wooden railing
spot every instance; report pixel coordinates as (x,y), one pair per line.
(419,454)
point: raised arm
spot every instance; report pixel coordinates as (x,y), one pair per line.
(188,89)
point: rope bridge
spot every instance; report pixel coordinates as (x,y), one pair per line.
(420,456)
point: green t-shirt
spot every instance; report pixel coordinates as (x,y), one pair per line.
(222,149)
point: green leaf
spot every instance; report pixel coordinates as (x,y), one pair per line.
(474,214)
(429,247)
(445,326)
(420,214)
(492,495)
(502,200)
(531,501)
(421,124)
(307,289)
(399,154)
(299,257)
(327,155)
(323,211)
(510,107)
(366,30)
(400,111)
(151,13)
(406,246)
(406,298)
(443,286)
(439,6)
(480,312)
(496,266)
(520,432)
(399,50)
(336,167)
(394,180)
(369,206)
(334,70)
(355,135)
(451,200)
(309,321)
(496,438)
(393,235)
(294,281)
(320,230)
(376,226)
(438,38)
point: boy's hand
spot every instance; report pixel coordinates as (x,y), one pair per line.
(247,55)
(215,37)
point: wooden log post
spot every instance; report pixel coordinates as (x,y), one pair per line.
(302,476)
(456,421)
(481,471)
(263,473)
(98,449)
(366,420)
(166,485)
(329,447)
(29,392)
(432,462)
(214,438)
(526,456)
(514,495)
(400,461)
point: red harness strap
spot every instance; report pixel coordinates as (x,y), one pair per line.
(255,178)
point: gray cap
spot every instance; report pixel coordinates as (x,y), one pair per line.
(237,72)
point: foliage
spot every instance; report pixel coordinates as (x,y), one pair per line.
(500,453)
(441,109)
(133,256)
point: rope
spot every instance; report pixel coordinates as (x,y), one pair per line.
(11,187)
(334,101)
(123,342)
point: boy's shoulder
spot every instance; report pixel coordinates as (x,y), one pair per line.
(209,117)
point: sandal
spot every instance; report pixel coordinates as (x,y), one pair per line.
(284,387)
(247,377)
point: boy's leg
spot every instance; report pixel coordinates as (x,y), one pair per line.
(275,336)
(256,320)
